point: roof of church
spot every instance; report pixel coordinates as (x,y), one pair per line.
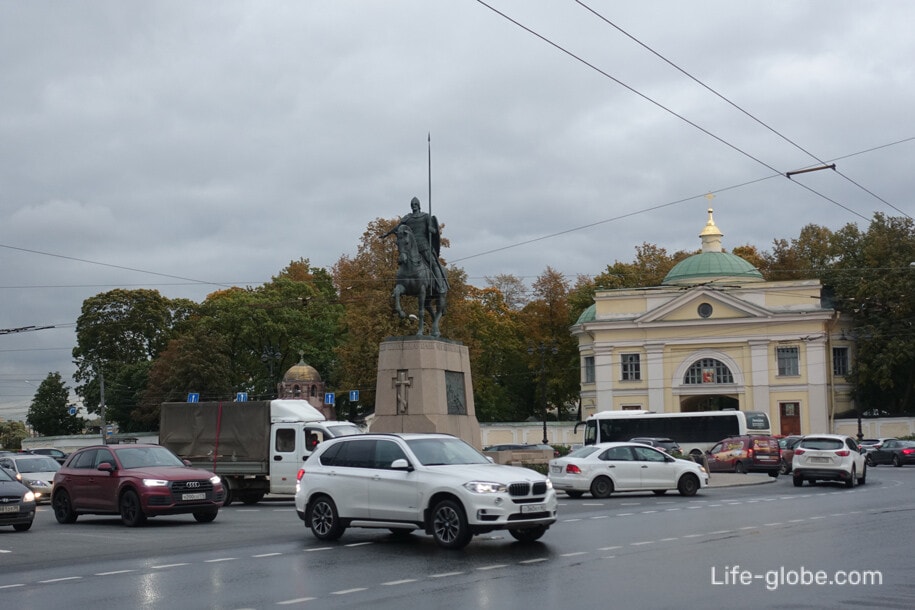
(302,372)
(712,264)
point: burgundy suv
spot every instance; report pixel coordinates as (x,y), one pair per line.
(135,482)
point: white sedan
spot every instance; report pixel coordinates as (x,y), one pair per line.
(608,467)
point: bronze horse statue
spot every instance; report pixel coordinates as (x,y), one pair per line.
(416,278)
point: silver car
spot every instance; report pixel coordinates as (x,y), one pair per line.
(34,471)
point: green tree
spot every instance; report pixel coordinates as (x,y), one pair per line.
(874,282)
(117,329)
(48,414)
(11,435)
(231,343)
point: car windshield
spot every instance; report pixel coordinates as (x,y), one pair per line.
(827,444)
(344,430)
(5,476)
(144,457)
(905,443)
(37,464)
(445,452)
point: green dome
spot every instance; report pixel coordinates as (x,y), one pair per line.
(588,314)
(712,266)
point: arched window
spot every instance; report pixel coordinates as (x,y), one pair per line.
(314,391)
(296,390)
(708,370)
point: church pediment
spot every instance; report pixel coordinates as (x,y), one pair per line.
(701,305)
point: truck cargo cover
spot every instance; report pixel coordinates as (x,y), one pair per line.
(230,431)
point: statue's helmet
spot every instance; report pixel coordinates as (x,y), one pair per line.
(414,201)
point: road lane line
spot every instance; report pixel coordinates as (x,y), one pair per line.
(398,582)
(445,574)
(348,591)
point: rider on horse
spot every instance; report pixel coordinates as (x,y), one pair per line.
(426,232)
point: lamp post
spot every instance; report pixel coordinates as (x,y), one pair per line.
(543,348)
(269,357)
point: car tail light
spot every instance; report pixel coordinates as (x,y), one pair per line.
(750,453)
(572,469)
(300,474)
(842,453)
(908,451)
(799,451)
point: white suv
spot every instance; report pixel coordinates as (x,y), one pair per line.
(829,457)
(431,482)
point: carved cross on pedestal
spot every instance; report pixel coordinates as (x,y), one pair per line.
(401,383)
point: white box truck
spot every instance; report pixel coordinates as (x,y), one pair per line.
(256,447)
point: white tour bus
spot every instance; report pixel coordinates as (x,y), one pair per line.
(694,432)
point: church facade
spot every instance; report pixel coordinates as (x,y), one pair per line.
(715,335)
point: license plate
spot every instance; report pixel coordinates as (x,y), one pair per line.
(9,509)
(819,460)
(533,508)
(556,469)
(198,496)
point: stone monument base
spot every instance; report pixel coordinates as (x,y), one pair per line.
(424,385)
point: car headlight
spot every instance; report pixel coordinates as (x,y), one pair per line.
(215,480)
(486,487)
(702,468)
(549,484)
(155,482)
(28,497)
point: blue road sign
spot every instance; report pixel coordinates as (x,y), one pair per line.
(241,397)
(193,397)
(328,398)
(72,410)
(354,395)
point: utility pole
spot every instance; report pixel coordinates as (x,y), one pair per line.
(543,349)
(104,427)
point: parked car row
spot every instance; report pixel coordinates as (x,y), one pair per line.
(891,451)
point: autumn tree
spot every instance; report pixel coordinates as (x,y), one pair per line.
(49,412)
(807,256)
(650,267)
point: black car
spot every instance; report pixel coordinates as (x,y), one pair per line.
(893,452)
(58,455)
(17,503)
(667,445)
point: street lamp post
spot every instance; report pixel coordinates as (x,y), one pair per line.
(269,357)
(543,348)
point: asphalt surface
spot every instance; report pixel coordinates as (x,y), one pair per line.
(727,479)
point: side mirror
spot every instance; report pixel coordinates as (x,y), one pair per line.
(106,467)
(401,464)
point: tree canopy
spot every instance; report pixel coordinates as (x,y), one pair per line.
(524,362)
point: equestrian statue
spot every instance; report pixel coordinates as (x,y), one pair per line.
(419,272)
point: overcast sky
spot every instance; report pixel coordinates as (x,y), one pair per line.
(186,146)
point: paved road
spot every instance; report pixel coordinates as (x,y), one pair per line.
(629,550)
